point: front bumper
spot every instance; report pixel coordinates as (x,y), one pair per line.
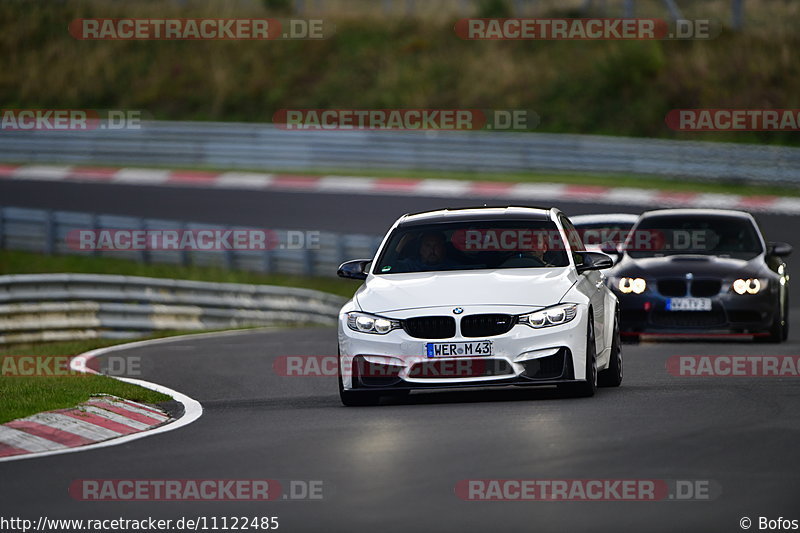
(523,356)
(730,314)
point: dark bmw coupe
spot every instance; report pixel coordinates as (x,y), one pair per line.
(701,272)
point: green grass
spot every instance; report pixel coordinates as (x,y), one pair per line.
(17,262)
(598,87)
(25,396)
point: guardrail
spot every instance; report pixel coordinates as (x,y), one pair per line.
(264,147)
(45,231)
(50,307)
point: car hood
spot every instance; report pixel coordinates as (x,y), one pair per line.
(700,266)
(527,287)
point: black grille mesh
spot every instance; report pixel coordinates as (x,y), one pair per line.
(430,327)
(672,287)
(706,287)
(487,325)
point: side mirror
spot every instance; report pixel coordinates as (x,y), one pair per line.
(356,269)
(594,261)
(779,249)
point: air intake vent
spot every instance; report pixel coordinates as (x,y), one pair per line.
(672,287)
(487,325)
(706,287)
(430,327)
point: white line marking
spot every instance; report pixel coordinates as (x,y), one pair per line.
(537,191)
(243,180)
(147,176)
(345,184)
(42,172)
(441,188)
(785,205)
(435,188)
(724,201)
(627,195)
(192,408)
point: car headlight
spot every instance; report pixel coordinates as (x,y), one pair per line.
(552,316)
(366,323)
(748,286)
(629,285)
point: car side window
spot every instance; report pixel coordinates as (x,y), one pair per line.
(575,240)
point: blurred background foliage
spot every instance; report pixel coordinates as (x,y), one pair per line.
(405,54)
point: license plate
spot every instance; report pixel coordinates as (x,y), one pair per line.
(458,349)
(689,304)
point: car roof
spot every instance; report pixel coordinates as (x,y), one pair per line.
(464,214)
(604,217)
(698,212)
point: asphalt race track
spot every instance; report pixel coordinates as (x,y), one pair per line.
(395,467)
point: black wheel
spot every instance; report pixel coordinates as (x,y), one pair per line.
(631,338)
(357,398)
(779,331)
(785,329)
(612,376)
(587,388)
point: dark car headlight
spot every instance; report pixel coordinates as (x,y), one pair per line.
(631,285)
(749,285)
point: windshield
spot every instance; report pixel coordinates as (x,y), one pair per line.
(717,235)
(597,233)
(472,246)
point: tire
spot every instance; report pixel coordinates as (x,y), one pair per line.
(785,329)
(779,331)
(353,398)
(587,388)
(631,339)
(612,376)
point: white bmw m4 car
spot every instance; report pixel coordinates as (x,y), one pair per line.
(476,297)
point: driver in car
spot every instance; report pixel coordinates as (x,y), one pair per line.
(431,254)
(538,251)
